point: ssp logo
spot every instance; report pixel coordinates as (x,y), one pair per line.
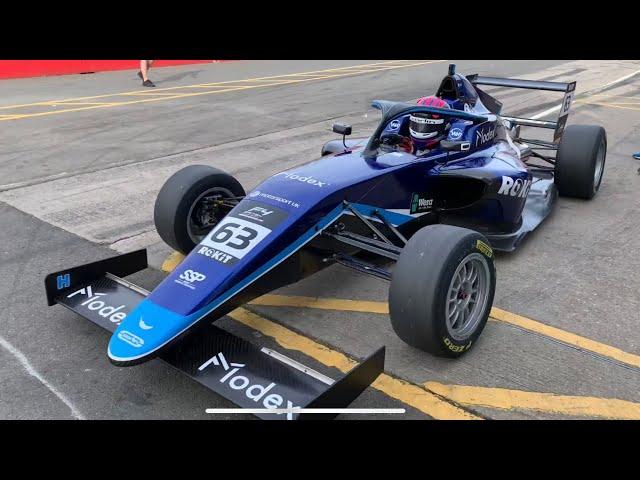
(192,276)
(189,277)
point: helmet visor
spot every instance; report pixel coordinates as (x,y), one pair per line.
(422,127)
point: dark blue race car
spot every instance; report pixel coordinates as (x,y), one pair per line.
(437,209)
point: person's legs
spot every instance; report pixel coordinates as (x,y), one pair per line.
(144,71)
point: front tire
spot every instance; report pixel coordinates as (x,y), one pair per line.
(442,289)
(184,211)
(580,161)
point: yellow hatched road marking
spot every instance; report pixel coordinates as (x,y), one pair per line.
(505,399)
(496,314)
(425,400)
(410,394)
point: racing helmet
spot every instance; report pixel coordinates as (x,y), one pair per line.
(428,129)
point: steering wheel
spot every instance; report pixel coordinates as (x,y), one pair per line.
(391,139)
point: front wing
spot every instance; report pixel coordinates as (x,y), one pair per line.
(247,375)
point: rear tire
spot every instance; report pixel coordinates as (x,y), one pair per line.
(180,197)
(436,276)
(580,161)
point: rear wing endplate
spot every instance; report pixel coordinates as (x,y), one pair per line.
(557,126)
(247,375)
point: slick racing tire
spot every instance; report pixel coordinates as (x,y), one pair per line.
(580,161)
(189,204)
(442,289)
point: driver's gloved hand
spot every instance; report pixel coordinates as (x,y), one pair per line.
(406,145)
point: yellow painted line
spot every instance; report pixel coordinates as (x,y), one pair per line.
(496,314)
(412,395)
(214,83)
(605,96)
(322,303)
(566,337)
(172,261)
(81,103)
(610,105)
(505,399)
(151,93)
(176,96)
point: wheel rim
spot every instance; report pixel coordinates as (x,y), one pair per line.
(599,170)
(196,227)
(467,296)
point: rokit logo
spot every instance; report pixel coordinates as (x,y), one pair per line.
(96,302)
(514,188)
(216,255)
(304,179)
(189,277)
(255,392)
(485,135)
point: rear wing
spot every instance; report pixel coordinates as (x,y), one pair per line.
(238,370)
(557,126)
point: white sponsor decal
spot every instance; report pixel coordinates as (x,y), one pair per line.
(304,179)
(214,254)
(455,133)
(394,125)
(257,193)
(97,302)
(188,278)
(484,137)
(143,325)
(429,121)
(235,237)
(256,213)
(130,338)
(255,392)
(425,202)
(514,188)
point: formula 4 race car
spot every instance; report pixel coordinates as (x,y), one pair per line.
(438,215)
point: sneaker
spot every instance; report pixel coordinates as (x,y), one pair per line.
(636,156)
(148,83)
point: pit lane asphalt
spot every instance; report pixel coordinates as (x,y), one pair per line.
(577,273)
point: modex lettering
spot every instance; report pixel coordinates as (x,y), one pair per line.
(305,179)
(97,302)
(253,391)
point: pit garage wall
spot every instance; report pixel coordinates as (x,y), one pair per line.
(39,68)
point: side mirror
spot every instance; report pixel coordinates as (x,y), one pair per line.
(455,146)
(342,129)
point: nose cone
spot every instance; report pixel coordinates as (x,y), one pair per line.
(144,331)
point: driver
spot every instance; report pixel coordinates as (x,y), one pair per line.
(426,130)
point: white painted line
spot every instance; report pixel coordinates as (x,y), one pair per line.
(304,410)
(587,94)
(34,373)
